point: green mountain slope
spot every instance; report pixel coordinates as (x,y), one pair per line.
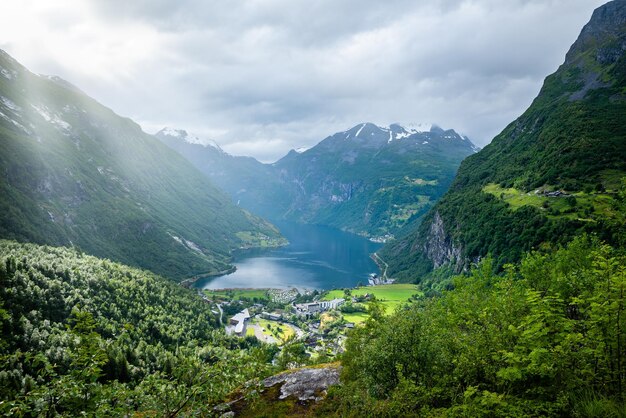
(369,180)
(373,180)
(250,183)
(75,173)
(551,174)
(545,339)
(86,336)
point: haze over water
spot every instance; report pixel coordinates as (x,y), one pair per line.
(317,257)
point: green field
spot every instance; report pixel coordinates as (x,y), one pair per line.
(357,317)
(257,239)
(391,296)
(584,207)
(236,294)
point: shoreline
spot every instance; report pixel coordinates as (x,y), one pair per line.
(187,283)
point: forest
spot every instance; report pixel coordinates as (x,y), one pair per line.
(545,338)
(87,335)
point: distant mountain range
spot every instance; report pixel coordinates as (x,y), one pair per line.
(370,180)
(74,173)
(556,171)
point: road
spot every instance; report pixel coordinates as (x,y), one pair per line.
(379,262)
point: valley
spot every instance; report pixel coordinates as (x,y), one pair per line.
(369,180)
(383,270)
(317,257)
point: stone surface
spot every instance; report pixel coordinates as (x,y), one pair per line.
(304,384)
(439,245)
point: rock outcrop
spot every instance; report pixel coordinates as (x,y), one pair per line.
(291,393)
(439,245)
(304,384)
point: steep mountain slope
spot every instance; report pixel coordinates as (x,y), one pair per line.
(369,179)
(554,172)
(75,173)
(251,184)
(373,180)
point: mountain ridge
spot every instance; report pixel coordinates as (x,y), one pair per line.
(77,174)
(402,170)
(551,174)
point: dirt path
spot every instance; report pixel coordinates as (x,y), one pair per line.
(221,313)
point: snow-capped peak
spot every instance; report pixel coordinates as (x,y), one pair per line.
(301,149)
(188,138)
(404,131)
(417,127)
(176,133)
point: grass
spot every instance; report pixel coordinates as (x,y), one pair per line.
(391,296)
(421,182)
(259,240)
(357,317)
(249,332)
(586,206)
(404,212)
(236,294)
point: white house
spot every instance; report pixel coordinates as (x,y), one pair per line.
(239,321)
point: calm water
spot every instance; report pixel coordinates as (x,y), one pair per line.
(317,258)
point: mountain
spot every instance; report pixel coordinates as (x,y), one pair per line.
(369,180)
(553,173)
(373,180)
(250,183)
(74,173)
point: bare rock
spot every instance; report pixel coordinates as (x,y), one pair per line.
(304,384)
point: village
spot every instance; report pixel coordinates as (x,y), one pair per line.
(320,321)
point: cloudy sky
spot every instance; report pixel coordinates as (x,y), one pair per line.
(263,76)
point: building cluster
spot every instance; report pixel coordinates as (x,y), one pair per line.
(310,308)
(375,280)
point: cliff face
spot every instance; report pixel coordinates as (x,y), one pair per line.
(571,140)
(439,245)
(606,24)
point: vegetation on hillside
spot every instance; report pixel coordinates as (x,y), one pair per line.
(86,335)
(76,174)
(367,184)
(547,338)
(571,139)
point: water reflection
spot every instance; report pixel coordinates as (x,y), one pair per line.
(316,258)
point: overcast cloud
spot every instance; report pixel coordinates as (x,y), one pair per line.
(263,76)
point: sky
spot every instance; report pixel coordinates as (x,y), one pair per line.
(261,77)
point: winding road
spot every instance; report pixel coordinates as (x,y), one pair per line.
(380,261)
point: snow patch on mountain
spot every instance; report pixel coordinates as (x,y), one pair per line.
(401,132)
(10,104)
(360,129)
(418,127)
(14,122)
(188,138)
(8,74)
(44,112)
